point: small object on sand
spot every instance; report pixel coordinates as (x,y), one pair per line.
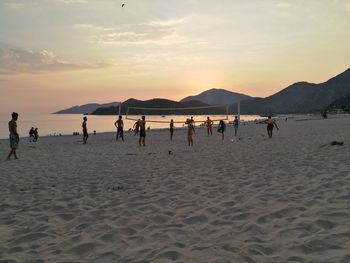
(123,5)
(337,143)
(170,152)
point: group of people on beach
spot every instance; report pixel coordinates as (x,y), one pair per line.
(33,134)
(139,129)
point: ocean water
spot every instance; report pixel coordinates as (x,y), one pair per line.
(66,124)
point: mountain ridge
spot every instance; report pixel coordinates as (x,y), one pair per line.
(299,97)
(217,96)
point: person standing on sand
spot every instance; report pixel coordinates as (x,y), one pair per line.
(85,132)
(190,131)
(136,127)
(120,125)
(209,123)
(31,134)
(171,129)
(36,135)
(270,124)
(193,124)
(142,131)
(222,128)
(14,137)
(235,125)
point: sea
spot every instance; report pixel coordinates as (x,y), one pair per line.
(66,124)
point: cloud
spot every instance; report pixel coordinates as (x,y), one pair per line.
(165,23)
(73,1)
(16,60)
(158,32)
(14,5)
(284,5)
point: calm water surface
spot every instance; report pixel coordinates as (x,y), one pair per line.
(54,124)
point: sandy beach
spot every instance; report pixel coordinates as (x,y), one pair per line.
(285,199)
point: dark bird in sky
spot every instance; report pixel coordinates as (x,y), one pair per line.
(123,5)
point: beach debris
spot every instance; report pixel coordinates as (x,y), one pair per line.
(116,188)
(333,143)
(123,5)
(170,152)
(337,143)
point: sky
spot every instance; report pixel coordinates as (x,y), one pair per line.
(58,53)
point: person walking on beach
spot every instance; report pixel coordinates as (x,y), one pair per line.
(235,125)
(270,124)
(190,131)
(85,132)
(209,123)
(36,135)
(31,134)
(171,129)
(142,131)
(136,127)
(14,137)
(222,128)
(120,125)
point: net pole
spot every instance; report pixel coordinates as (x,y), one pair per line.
(120,108)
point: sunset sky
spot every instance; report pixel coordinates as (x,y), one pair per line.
(58,53)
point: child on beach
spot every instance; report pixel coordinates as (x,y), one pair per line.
(85,133)
(14,137)
(120,125)
(171,129)
(222,128)
(270,124)
(190,131)
(209,123)
(142,131)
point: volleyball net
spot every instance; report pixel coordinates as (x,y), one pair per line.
(164,115)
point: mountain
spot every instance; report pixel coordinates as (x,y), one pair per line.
(86,108)
(301,97)
(159,103)
(217,97)
(342,103)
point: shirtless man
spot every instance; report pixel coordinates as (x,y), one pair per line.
(209,123)
(14,137)
(235,124)
(171,126)
(120,125)
(190,131)
(270,124)
(142,131)
(85,132)
(193,124)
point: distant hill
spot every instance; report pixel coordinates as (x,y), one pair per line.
(86,108)
(301,97)
(342,103)
(217,97)
(159,103)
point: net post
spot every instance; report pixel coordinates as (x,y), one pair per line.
(120,108)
